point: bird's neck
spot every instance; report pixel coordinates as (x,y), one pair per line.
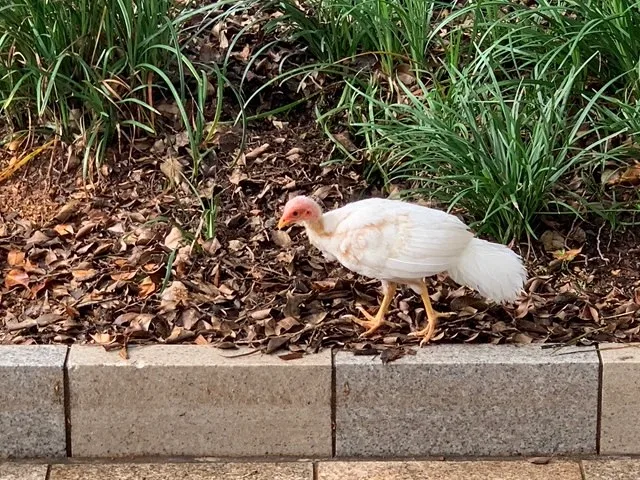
(317,227)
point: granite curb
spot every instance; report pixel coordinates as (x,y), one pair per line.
(196,401)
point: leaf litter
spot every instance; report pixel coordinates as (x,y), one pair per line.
(123,260)
(98,273)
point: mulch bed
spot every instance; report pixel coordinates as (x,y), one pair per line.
(124,260)
(94,269)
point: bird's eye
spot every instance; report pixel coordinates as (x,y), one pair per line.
(295,213)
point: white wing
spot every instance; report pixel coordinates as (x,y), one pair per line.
(392,240)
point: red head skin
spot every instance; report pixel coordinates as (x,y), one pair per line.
(299,210)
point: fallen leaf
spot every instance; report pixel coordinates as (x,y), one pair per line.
(179,334)
(174,295)
(275,343)
(237,176)
(123,276)
(83,275)
(286,324)
(235,245)
(103,338)
(41,321)
(146,287)
(391,355)
(552,240)
(324,285)
(291,356)
(281,238)
(64,230)
(174,239)
(15,258)
(66,212)
(256,152)
(172,169)
(16,277)
(631,175)
(344,139)
(38,238)
(567,255)
(539,460)
(260,314)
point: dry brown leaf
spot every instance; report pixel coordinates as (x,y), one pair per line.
(16,277)
(631,176)
(237,176)
(38,238)
(345,140)
(64,229)
(567,255)
(179,334)
(324,285)
(210,246)
(260,314)
(103,338)
(172,169)
(83,275)
(256,152)
(175,294)
(146,287)
(405,75)
(123,276)
(174,239)
(66,212)
(552,240)
(275,343)
(281,238)
(15,258)
(291,356)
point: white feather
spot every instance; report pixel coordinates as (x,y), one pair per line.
(402,242)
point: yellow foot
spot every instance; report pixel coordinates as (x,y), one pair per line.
(372,324)
(427,332)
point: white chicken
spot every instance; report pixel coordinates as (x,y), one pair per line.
(402,243)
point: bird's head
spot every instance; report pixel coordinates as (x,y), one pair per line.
(298,210)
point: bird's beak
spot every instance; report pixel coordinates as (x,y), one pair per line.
(282,223)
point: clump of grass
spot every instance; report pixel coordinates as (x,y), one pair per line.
(397,31)
(85,70)
(498,150)
(561,35)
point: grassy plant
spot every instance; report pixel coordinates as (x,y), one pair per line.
(88,69)
(561,35)
(395,30)
(499,150)
(506,100)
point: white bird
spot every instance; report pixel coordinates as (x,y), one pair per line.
(402,243)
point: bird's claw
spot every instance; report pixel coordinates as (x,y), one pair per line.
(371,325)
(427,332)
(366,314)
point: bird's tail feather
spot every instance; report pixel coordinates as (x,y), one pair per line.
(492,269)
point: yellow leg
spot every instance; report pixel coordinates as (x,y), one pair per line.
(432,318)
(374,323)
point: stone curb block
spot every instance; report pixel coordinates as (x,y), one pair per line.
(186,400)
(189,400)
(620,415)
(471,400)
(32,417)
